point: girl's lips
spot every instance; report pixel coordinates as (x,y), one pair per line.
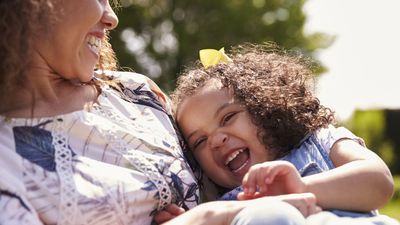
(240,172)
(238,161)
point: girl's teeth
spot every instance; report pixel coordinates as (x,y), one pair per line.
(233,156)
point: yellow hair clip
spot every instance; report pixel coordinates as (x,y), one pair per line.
(211,57)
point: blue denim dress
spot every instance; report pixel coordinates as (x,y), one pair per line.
(312,157)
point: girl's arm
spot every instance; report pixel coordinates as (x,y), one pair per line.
(361,181)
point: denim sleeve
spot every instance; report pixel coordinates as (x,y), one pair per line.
(327,137)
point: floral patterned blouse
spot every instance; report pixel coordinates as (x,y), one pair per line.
(118,162)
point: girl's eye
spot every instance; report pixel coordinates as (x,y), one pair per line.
(198,142)
(228,117)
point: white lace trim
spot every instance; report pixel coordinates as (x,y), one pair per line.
(136,158)
(63,159)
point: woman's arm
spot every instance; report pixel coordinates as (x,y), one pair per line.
(361,181)
(223,212)
(218,213)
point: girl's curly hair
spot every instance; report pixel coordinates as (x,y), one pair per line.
(273,85)
(20,22)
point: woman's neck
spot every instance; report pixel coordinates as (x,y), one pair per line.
(47,94)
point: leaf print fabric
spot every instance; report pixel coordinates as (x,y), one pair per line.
(14,211)
(36,145)
(142,97)
(105,143)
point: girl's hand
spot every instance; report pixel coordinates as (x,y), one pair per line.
(170,212)
(271,178)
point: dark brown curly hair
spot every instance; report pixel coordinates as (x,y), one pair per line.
(20,22)
(274,85)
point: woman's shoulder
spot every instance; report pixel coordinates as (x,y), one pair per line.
(125,77)
(140,83)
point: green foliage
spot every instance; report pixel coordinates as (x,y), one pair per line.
(370,125)
(159,37)
(392,209)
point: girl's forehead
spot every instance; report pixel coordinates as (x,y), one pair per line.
(215,82)
(212,84)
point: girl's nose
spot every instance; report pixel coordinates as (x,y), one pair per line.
(218,140)
(110,19)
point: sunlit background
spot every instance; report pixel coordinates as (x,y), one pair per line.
(364,60)
(363,77)
(355,45)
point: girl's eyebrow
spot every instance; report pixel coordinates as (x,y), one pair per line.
(219,109)
(222,107)
(191,134)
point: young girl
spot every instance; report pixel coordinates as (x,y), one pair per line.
(239,113)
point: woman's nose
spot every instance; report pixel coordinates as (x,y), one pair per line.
(218,140)
(109,19)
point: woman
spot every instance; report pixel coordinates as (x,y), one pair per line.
(84,147)
(66,138)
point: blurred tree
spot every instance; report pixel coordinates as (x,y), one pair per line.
(159,37)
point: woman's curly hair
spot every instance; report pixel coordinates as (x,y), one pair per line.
(274,86)
(20,22)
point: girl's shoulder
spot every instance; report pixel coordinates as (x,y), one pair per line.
(328,136)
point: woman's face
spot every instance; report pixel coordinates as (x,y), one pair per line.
(221,135)
(71,46)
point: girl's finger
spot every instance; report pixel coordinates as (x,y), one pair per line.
(249,182)
(162,216)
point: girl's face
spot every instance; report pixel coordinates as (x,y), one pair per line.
(221,135)
(72,44)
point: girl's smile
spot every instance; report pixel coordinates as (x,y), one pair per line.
(221,135)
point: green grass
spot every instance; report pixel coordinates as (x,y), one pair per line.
(392,209)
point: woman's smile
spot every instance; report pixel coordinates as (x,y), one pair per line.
(94,44)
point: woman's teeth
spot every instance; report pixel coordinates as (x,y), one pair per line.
(94,43)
